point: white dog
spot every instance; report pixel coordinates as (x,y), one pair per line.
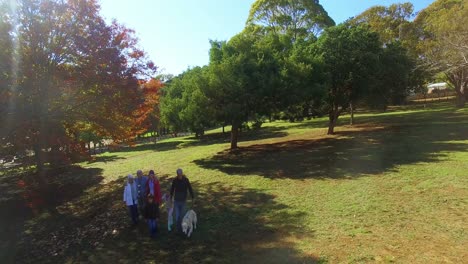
(170,208)
(189,222)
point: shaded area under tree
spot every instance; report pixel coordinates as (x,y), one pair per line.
(24,199)
(366,149)
(233,224)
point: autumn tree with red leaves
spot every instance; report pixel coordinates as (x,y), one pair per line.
(66,70)
(147,112)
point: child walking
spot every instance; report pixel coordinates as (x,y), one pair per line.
(170,209)
(152,215)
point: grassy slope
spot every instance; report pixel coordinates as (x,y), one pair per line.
(392,188)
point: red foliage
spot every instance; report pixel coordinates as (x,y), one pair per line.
(73,78)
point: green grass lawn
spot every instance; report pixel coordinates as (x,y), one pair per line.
(392,188)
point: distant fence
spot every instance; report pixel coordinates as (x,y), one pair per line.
(434,95)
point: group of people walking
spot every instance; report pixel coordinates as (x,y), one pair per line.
(143,197)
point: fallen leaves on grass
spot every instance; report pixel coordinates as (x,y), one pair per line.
(82,223)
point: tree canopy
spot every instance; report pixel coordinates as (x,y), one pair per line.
(350,57)
(277,67)
(242,72)
(185,106)
(67,70)
(444,36)
(296,18)
(391,23)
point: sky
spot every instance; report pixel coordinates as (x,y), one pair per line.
(176,33)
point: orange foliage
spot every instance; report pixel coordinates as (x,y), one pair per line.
(150,92)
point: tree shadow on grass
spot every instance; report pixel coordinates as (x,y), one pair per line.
(105,159)
(314,123)
(209,139)
(353,152)
(254,134)
(159,146)
(61,185)
(235,225)
(23,199)
(394,114)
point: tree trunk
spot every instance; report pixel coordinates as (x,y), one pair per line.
(39,158)
(332,117)
(234,135)
(351,109)
(458,79)
(461,100)
(82,145)
(461,97)
(55,156)
(223,130)
(425,100)
(331,128)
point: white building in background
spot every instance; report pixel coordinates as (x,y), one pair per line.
(431,88)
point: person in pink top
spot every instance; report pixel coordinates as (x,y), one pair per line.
(153,188)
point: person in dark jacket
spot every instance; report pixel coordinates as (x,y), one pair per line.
(179,188)
(152,215)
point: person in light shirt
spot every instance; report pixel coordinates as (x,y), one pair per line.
(130,198)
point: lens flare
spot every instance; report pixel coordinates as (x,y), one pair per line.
(12,7)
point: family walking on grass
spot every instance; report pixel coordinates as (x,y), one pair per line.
(143,197)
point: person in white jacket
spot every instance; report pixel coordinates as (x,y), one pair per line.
(130,198)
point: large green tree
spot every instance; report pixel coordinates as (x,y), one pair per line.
(393,77)
(172,104)
(443,35)
(197,114)
(288,28)
(301,82)
(404,70)
(350,57)
(295,18)
(242,72)
(185,106)
(391,23)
